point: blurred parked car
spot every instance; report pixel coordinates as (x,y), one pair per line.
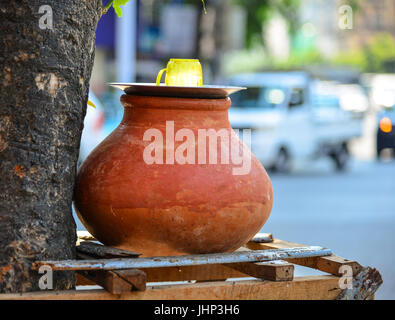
(290,123)
(93,132)
(351,96)
(382,90)
(385,130)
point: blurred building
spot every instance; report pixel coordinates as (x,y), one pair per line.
(370,18)
(318,19)
(321,23)
(163,30)
(277,39)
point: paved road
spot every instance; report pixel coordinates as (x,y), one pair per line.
(352,213)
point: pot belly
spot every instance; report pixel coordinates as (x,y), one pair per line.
(168,209)
(175,230)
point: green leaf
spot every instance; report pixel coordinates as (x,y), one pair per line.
(117,8)
(91,104)
(204,7)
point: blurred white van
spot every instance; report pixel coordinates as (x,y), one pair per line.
(289,123)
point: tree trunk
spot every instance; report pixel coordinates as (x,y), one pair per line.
(44,82)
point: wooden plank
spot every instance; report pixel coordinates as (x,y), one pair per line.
(119,281)
(109,280)
(177,261)
(303,288)
(137,278)
(96,250)
(330,264)
(199,273)
(80,280)
(277,270)
(275,244)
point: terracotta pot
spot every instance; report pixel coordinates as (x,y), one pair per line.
(170,209)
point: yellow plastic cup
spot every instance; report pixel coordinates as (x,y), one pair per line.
(183,73)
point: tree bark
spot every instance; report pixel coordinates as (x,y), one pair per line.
(44,82)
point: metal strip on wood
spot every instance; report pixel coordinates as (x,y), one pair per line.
(188,260)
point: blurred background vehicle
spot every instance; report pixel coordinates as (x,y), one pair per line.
(293,119)
(350,96)
(381,90)
(385,130)
(353,98)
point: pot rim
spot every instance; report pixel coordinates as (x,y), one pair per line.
(154,102)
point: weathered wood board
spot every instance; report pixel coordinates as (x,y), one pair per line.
(303,288)
(258,259)
(330,264)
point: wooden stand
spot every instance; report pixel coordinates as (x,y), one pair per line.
(260,274)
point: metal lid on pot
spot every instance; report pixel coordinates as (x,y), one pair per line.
(151,89)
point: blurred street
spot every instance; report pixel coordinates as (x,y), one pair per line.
(352,213)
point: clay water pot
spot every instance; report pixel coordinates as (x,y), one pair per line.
(171,208)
